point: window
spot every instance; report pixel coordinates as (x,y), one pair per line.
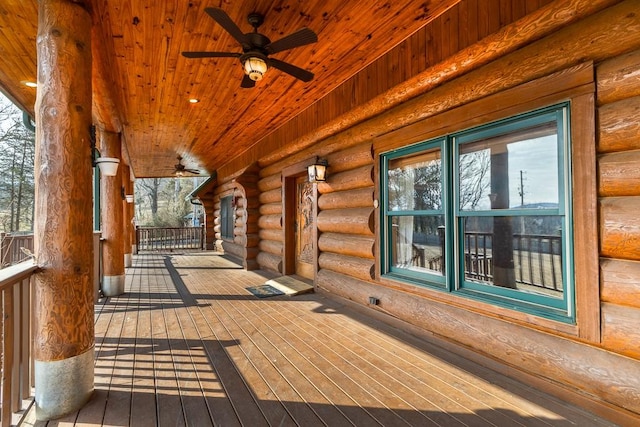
(485,213)
(226,217)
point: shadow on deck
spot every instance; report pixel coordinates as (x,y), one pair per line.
(189,345)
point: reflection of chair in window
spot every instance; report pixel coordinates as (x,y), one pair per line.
(418,258)
(435,263)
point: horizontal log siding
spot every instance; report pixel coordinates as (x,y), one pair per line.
(618,100)
(346,215)
(270,223)
(244,190)
(208,204)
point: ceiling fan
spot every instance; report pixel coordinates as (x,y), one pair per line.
(257,47)
(182,169)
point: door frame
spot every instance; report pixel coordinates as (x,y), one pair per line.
(289,214)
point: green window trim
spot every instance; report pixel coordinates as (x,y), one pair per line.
(486,277)
(226,217)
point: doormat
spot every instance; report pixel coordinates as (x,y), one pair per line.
(264,291)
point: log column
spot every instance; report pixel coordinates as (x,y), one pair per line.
(126,217)
(132,215)
(112,222)
(63,347)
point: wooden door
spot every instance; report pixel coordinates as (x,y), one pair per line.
(305,221)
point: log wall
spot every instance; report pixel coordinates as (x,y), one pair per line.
(246,212)
(597,369)
(209,220)
(270,223)
(618,111)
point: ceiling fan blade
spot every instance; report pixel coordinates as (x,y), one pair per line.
(193,171)
(297,72)
(247,82)
(301,37)
(210,55)
(221,17)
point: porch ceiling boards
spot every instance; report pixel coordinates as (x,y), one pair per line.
(189,345)
(142,84)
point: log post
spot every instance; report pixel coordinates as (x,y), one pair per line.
(132,215)
(111,214)
(126,218)
(63,343)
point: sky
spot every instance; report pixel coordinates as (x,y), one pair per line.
(538,159)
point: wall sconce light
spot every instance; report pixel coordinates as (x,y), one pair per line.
(108,165)
(318,171)
(129,198)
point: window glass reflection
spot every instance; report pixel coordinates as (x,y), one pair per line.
(415,182)
(514,171)
(516,252)
(417,243)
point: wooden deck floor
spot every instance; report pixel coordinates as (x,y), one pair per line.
(189,345)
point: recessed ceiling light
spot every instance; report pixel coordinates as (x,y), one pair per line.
(30,83)
(194,100)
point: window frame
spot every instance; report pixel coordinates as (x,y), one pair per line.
(576,84)
(226,217)
(453,281)
(404,274)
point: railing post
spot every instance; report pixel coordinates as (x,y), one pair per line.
(202,237)
(16,390)
(137,239)
(3,250)
(26,339)
(7,354)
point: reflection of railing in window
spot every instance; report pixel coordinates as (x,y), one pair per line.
(537,259)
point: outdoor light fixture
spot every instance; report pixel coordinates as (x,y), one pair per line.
(318,171)
(255,65)
(108,165)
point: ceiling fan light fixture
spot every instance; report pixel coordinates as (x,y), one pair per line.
(255,67)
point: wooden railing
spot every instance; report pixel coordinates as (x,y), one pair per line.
(16,363)
(169,238)
(15,248)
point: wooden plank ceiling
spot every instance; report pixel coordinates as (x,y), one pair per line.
(142,84)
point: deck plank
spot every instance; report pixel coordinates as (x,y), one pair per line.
(143,398)
(187,344)
(169,405)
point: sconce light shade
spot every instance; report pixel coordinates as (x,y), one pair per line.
(129,198)
(108,165)
(255,67)
(318,171)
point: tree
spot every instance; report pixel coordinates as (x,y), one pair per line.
(17,145)
(148,188)
(162,202)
